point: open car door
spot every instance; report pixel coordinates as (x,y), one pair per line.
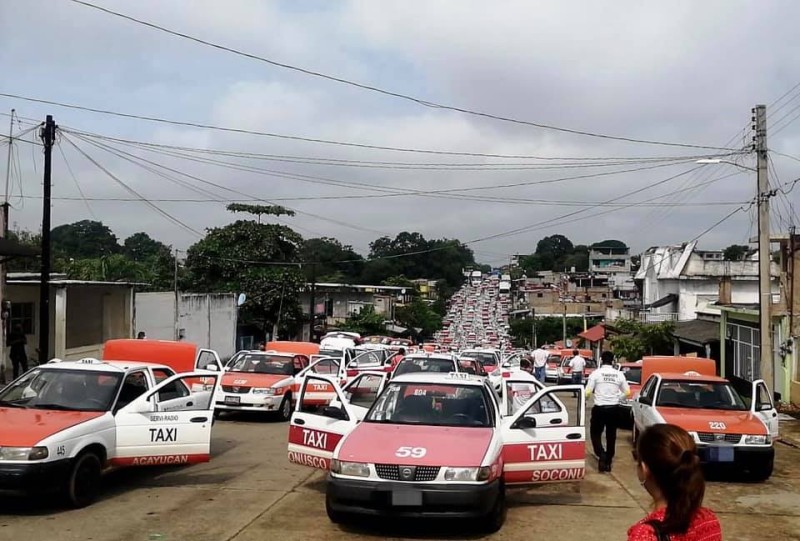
(538,450)
(315,432)
(320,393)
(517,391)
(168,425)
(207,358)
(372,360)
(362,391)
(762,406)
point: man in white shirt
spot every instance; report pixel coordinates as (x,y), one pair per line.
(576,365)
(539,363)
(608,385)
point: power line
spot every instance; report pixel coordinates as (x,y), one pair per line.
(75,180)
(363,86)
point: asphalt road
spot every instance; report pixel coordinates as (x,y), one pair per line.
(250,492)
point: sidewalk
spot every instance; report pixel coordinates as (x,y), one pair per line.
(790,430)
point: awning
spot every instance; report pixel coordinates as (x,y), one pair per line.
(698,332)
(396,329)
(594,334)
(663,301)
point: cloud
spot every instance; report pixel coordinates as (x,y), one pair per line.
(674,71)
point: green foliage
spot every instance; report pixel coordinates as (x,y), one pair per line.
(83,240)
(336,262)
(553,250)
(616,244)
(735,252)
(366,322)
(236,258)
(418,314)
(639,339)
(259,210)
(25,264)
(112,268)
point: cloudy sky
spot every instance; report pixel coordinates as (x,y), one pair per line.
(679,72)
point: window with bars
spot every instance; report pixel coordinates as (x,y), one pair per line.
(22,314)
(746,351)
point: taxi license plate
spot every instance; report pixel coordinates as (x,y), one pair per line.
(233,400)
(720,454)
(406,498)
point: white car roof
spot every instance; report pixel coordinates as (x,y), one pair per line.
(442,356)
(96,365)
(460,378)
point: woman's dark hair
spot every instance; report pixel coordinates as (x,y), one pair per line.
(671,456)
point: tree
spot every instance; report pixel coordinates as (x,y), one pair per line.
(336,262)
(259,210)
(83,240)
(260,260)
(366,322)
(30,240)
(579,259)
(141,247)
(419,315)
(552,250)
(615,244)
(548,330)
(735,252)
(638,339)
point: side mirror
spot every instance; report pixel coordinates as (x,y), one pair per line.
(212,367)
(525,422)
(144,406)
(227,369)
(506,365)
(765,407)
(354,364)
(334,413)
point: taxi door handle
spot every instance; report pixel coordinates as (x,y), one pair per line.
(573,436)
(198,420)
(299,422)
(555,421)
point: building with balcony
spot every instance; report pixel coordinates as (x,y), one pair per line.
(609,260)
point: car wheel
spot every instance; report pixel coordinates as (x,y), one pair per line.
(497,516)
(337,517)
(762,471)
(634,434)
(285,410)
(83,482)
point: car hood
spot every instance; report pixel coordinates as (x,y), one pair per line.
(248,379)
(697,420)
(444,446)
(27,427)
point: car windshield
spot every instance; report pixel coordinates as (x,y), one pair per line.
(424,364)
(485,358)
(265,364)
(700,395)
(330,352)
(632,374)
(432,404)
(60,389)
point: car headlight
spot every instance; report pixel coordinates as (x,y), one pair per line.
(354,469)
(756,440)
(23,453)
(467,474)
(268,391)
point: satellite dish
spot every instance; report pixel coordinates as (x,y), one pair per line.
(403,291)
(241,299)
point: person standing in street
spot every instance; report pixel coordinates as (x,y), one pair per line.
(608,385)
(17,353)
(576,365)
(539,363)
(668,468)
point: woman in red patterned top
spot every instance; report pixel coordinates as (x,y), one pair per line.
(668,467)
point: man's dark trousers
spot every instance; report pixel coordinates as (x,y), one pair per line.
(604,418)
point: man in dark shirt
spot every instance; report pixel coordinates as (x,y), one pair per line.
(17,354)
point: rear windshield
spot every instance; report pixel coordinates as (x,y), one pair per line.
(632,374)
(483,357)
(265,364)
(423,364)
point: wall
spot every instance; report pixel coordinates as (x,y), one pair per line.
(208,320)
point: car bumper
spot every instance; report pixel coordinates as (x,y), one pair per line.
(250,403)
(438,500)
(33,478)
(744,457)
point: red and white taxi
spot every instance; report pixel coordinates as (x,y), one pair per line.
(260,381)
(441,445)
(734,423)
(65,423)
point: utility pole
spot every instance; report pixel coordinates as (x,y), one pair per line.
(48,136)
(176,316)
(764,255)
(4,234)
(311,302)
(564,326)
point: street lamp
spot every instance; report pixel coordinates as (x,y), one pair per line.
(764,258)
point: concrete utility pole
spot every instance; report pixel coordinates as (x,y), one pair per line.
(176,316)
(48,135)
(3,234)
(764,255)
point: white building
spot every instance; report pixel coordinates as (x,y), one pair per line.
(206,319)
(677,281)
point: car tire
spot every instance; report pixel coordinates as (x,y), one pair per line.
(83,481)
(762,472)
(285,409)
(634,434)
(337,517)
(495,519)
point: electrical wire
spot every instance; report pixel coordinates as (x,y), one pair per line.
(75,180)
(425,103)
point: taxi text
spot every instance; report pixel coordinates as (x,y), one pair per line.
(312,438)
(160,460)
(546,451)
(559,475)
(308,460)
